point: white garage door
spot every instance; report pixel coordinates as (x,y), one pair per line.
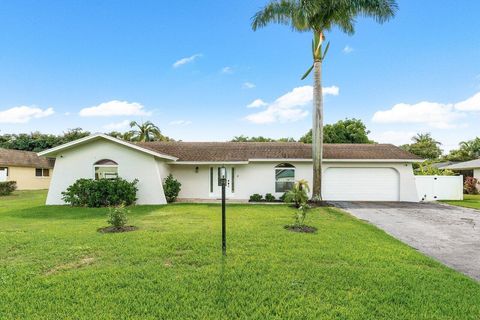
(361,184)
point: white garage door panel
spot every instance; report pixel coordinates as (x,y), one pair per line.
(361,184)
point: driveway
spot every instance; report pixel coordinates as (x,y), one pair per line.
(447,233)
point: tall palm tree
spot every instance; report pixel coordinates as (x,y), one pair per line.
(425,138)
(319,17)
(146,131)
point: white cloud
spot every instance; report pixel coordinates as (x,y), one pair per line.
(23,114)
(115,108)
(227,70)
(332,90)
(117,125)
(288,107)
(393,137)
(257,103)
(436,115)
(186,60)
(471,104)
(180,122)
(248,85)
(347,49)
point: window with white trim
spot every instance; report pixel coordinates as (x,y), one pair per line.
(106,169)
(284,177)
(41,172)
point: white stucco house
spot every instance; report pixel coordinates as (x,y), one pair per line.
(366,172)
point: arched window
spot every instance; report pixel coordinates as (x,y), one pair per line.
(105,169)
(284,177)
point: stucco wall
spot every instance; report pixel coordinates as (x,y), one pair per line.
(26,179)
(259,177)
(78,163)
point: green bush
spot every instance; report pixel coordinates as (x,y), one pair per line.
(426,169)
(7,187)
(270,197)
(117,216)
(299,194)
(282,197)
(101,193)
(256,197)
(171,188)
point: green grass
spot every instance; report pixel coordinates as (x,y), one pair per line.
(54,265)
(469,201)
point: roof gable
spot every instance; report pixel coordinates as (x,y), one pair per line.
(54,151)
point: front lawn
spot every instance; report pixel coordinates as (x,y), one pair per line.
(469,201)
(54,265)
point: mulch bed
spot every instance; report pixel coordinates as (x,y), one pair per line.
(117,229)
(303,229)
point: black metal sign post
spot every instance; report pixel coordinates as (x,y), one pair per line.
(223,180)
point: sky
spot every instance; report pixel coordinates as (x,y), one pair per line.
(198,71)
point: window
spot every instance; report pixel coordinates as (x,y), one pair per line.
(233,180)
(284,177)
(4,169)
(106,169)
(211,180)
(40,172)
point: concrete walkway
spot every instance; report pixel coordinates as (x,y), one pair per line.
(447,233)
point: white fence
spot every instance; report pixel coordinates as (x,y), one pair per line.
(431,188)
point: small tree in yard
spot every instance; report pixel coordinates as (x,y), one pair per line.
(117,216)
(299,197)
(299,194)
(171,188)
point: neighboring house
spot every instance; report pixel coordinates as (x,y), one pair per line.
(468,168)
(374,172)
(29,170)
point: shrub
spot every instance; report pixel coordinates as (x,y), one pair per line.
(427,169)
(256,197)
(282,197)
(171,188)
(7,187)
(101,193)
(117,216)
(470,186)
(270,197)
(299,194)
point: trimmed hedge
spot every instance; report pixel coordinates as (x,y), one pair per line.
(101,193)
(171,188)
(7,187)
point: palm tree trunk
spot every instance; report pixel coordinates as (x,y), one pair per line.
(317,131)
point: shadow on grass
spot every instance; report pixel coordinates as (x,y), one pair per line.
(73,213)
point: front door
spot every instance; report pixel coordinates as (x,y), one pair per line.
(215,186)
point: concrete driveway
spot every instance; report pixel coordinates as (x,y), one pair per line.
(447,233)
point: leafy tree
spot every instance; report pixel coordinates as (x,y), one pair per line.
(37,141)
(127,136)
(320,17)
(243,138)
(343,131)
(424,146)
(468,150)
(147,131)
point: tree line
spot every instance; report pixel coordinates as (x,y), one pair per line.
(343,131)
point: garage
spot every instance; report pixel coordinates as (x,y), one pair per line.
(361,184)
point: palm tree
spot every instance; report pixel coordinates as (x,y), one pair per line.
(146,131)
(425,138)
(319,17)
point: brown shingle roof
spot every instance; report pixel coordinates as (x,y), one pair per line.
(9,157)
(243,151)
